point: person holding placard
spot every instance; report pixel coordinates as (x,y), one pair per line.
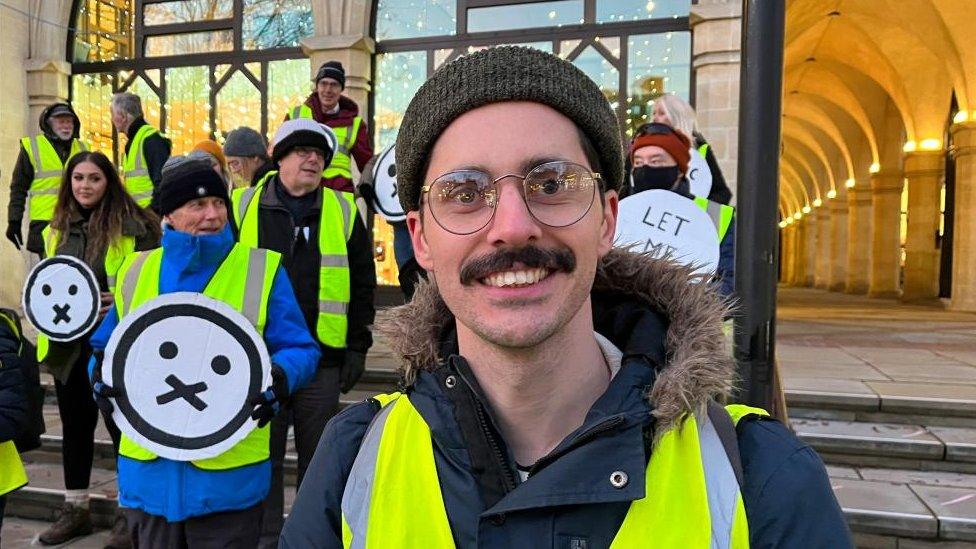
(98,222)
(214,501)
(660,158)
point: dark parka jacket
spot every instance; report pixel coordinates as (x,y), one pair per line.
(675,362)
(13,392)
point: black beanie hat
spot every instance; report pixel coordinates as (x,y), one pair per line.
(186,179)
(494,75)
(333,70)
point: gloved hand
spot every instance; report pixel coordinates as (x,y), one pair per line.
(352,369)
(268,404)
(14,235)
(102,391)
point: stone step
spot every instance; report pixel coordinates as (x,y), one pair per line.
(935,404)
(890,444)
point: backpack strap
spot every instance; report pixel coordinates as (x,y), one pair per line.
(727,434)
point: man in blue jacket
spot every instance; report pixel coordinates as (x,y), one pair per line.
(557,392)
(175,503)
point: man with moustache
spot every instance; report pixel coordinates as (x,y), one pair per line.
(556,392)
(37,174)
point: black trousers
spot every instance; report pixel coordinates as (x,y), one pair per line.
(79,417)
(227,530)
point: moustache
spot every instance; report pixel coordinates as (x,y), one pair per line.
(557,259)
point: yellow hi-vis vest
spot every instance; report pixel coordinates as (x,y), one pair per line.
(48,169)
(338,213)
(256,268)
(720,214)
(12,473)
(703,150)
(692,497)
(114,256)
(341,165)
(135,173)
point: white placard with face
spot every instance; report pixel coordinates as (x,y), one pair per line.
(699,175)
(187,366)
(385,186)
(666,223)
(61,298)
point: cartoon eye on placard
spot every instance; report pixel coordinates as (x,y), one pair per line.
(665,223)
(61,298)
(385,186)
(186,366)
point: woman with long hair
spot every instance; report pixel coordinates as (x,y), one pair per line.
(95,220)
(676,112)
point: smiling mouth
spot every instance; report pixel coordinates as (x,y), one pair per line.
(516,279)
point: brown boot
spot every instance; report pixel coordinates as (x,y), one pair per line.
(120,537)
(72,521)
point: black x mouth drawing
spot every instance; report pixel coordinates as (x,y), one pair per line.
(184,391)
(61,313)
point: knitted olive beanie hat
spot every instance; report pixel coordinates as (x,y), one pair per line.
(494,75)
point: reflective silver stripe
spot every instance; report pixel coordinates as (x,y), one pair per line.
(38,164)
(130,281)
(82,146)
(342,149)
(350,135)
(333,307)
(720,483)
(246,198)
(334,261)
(714,211)
(48,173)
(254,284)
(346,213)
(40,192)
(359,485)
(111,281)
(137,173)
(37,153)
(142,196)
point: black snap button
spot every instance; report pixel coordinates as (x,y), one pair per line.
(498,520)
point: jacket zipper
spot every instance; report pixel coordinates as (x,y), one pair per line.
(495,448)
(597,430)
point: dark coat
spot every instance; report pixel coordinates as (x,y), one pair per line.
(156,149)
(23,176)
(278,231)
(720,192)
(13,395)
(675,363)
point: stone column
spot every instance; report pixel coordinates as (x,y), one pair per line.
(923,170)
(884,277)
(802,244)
(810,249)
(786,255)
(964,235)
(837,279)
(858,238)
(47,82)
(821,276)
(355,52)
(716,26)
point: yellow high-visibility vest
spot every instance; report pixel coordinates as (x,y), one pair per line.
(692,497)
(243,281)
(135,173)
(114,256)
(12,472)
(48,170)
(720,214)
(341,165)
(338,212)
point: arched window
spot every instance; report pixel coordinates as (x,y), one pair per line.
(202,67)
(635,50)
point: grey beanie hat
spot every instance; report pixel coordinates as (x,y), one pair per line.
(245,141)
(506,73)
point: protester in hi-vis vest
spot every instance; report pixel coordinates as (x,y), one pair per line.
(146,149)
(37,173)
(659,156)
(676,112)
(13,407)
(248,159)
(327,253)
(556,391)
(98,222)
(326,105)
(217,503)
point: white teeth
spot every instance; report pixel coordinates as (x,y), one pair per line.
(516,278)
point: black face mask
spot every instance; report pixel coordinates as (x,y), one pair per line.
(647,178)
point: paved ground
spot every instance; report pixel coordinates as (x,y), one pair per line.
(833,340)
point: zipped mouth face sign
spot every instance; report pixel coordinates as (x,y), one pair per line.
(186,367)
(61,298)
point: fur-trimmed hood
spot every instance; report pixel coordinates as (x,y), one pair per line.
(698,368)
